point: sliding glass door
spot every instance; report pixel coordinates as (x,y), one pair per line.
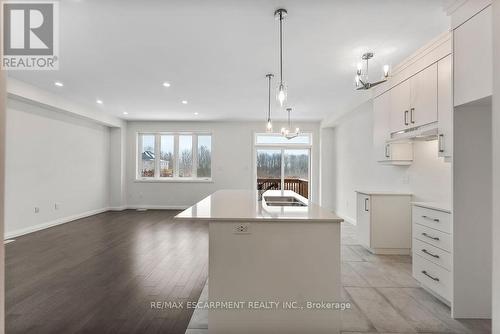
(269,163)
(281,168)
(296,171)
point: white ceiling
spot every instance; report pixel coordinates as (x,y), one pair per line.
(216,53)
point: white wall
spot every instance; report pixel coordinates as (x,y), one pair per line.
(117,170)
(52,158)
(328,169)
(496,167)
(232,156)
(428,178)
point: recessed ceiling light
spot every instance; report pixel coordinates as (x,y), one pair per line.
(166,84)
(125,113)
(58,84)
(184,102)
(196,114)
(99,101)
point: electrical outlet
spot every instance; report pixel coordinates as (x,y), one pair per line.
(57,206)
(241,228)
(37,209)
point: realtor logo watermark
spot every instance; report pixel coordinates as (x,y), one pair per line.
(30,35)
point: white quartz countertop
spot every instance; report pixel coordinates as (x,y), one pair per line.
(238,205)
(434,205)
(384,192)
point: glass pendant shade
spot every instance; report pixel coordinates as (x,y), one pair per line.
(282,94)
(269,127)
(356,80)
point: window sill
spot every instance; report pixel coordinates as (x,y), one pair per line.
(176,180)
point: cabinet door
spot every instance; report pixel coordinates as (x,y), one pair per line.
(423,105)
(400,106)
(381,125)
(363,219)
(445,107)
(473,58)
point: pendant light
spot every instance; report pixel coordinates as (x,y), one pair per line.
(361,78)
(269,127)
(287,132)
(281,95)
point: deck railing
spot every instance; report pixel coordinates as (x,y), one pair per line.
(300,186)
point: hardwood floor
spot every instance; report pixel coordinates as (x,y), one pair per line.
(100,274)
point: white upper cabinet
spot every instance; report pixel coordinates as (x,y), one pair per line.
(390,153)
(400,106)
(414,101)
(473,62)
(423,101)
(445,107)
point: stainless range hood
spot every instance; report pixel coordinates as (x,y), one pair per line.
(420,133)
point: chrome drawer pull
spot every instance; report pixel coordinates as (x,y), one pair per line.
(430,236)
(429,253)
(433,219)
(433,278)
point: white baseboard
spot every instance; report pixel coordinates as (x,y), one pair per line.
(117,208)
(38,227)
(56,222)
(158,207)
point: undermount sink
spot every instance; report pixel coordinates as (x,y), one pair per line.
(283,201)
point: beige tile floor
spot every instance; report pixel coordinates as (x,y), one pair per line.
(384,296)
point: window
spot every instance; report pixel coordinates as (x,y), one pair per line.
(147,163)
(204,168)
(167,156)
(185,156)
(174,156)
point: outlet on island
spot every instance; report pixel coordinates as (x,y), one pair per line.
(241,228)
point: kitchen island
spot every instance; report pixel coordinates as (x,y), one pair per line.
(274,265)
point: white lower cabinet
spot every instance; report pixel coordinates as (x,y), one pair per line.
(384,222)
(432,249)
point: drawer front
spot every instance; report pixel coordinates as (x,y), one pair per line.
(432,277)
(434,237)
(433,254)
(432,218)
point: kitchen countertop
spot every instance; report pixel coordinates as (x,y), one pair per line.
(382,192)
(242,205)
(434,205)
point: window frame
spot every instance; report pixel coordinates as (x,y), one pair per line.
(175,178)
(285,144)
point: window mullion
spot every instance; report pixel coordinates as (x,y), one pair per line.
(176,156)
(194,171)
(282,169)
(157,156)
